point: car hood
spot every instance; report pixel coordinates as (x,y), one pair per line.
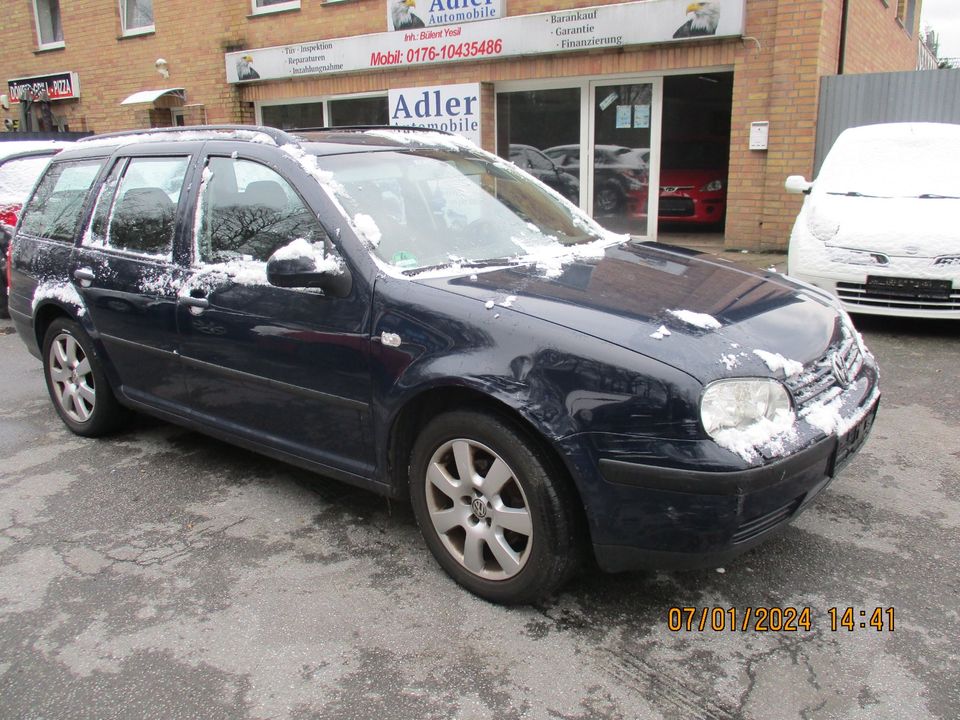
(914,227)
(628,295)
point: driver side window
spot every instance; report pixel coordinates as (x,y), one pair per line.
(248,211)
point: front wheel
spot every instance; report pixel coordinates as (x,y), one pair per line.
(493,511)
(76,382)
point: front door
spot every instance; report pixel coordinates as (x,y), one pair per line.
(282,367)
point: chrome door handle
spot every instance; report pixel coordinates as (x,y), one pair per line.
(197,302)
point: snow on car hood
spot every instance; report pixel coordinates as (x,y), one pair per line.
(715,314)
(917,227)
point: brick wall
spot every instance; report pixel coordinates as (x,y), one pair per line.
(790,44)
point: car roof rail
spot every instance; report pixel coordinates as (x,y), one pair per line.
(279,136)
(362,128)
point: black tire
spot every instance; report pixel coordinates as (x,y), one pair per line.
(545,557)
(608,199)
(78,387)
(4,308)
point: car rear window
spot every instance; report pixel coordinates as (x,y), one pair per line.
(18,176)
(55,208)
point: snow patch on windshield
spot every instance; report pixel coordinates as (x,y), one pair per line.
(700,320)
(776,361)
(774,437)
(58,290)
(368,228)
(661,333)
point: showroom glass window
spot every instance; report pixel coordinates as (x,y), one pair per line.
(136,16)
(359,111)
(49,28)
(288,117)
(248,212)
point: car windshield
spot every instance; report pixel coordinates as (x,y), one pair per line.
(430,208)
(18,176)
(913,166)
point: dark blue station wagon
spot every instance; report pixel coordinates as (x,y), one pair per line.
(404,312)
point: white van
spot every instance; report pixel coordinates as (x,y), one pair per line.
(880,226)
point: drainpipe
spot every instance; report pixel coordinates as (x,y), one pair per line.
(843,36)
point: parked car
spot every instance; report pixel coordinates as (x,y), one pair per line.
(693,196)
(621,175)
(878,227)
(536,385)
(545,170)
(21,163)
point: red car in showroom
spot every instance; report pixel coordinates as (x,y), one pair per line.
(694,196)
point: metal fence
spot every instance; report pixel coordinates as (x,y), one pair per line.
(852,100)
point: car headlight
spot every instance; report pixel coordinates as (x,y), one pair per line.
(712,186)
(738,403)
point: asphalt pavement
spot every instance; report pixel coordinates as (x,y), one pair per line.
(162,574)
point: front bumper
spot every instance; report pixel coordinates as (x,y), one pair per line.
(658,517)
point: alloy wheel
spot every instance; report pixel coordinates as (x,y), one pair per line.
(71,375)
(478,509)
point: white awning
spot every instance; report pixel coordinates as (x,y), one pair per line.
(149,96)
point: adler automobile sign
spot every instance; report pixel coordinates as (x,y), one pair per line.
(589,28)
(454,108)
(416,14)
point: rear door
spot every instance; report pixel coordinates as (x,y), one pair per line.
(282,367)
(126,272)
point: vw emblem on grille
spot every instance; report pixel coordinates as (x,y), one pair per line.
(839,369)
(479,508)
(912,250)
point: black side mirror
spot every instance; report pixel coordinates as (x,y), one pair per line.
(301,272)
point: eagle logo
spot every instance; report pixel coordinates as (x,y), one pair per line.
(706,17)
(402,16)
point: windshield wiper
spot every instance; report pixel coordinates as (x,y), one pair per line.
(854,193)
(935,196)
(466,264)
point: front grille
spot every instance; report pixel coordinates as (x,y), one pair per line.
(676,206)
(858,294)
(820,377)
(759,525)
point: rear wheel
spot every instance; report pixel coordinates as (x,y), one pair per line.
(492,510)
(76,381)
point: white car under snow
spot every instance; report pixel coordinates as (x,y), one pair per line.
(880,226)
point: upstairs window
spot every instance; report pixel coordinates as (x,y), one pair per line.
(260,7)
(136,16)
(906,13)
(49,29)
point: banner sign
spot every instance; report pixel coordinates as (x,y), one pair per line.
(606,26)
(416,14)
(59,86)
(454,108)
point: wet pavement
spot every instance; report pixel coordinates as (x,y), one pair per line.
(161,574)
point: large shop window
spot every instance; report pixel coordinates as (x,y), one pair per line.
(136,16)
(49,29)
(536,130)
(359,111)
(291,117)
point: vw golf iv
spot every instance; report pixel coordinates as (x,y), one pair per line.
(400,310)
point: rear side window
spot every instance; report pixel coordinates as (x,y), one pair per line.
(54,210)
(137,206)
